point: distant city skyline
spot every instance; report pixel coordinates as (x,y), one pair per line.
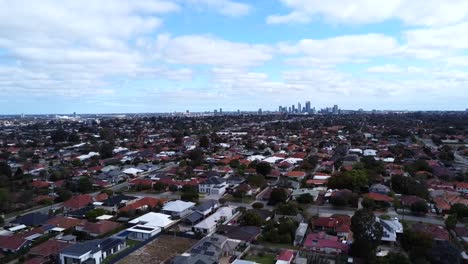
(199,55)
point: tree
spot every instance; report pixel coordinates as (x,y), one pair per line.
(451,222)
(173,188)
(106,150)
(394,258)
(93,214)
(460,210)
(59,135)
(263,168)
(85,185)
(305,198)
(251,218)
(257,205)
(204,142)
(278,195)
(416,244)
(419,207)
(5,169)
(368,203)
(160,186)
(256,180)
(63,195)
(367,234)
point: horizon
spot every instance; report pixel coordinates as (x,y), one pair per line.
(166,56)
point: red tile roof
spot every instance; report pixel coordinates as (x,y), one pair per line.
(286,255)
(100,227)
(379,197)
(78,201)
(101,197)
(322,241)
(296,174)
(12,243)
(144,202)
(64,222)
(49,248)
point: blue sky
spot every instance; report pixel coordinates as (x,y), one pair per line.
(64,56)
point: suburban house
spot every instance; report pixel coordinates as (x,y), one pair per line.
(243,233)
(112,204)
(298,175)
(208,250)
(391,228)
(300,234)
(323,243)
(339,224)
(93,251)
(201,211)
(209,224)
(178,209)
(379,188)
(77,202)
(13,243)
(148,225)
(98,228)
(49,250)
(286,256)
(213,185)
(31,219)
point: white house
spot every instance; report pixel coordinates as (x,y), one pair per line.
(213,185)
(178,209)
(153,219)
(143,232)
(209,225)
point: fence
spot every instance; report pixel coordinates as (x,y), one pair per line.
(119,256)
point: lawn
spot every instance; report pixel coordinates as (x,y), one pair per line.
(266,259)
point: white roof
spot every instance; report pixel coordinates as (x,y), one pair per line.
(58,229)
(321,177)
(213,219)
(17,228)
(293,160)
(132,171)
(370,152)
(255,157)
(177,206)
(87,156)
(241,261)
(104,217)
(356,150)
(147,229)
(272,159)
(153,219)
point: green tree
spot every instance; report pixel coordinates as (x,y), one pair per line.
(451,222)
(305,199)
(251,218)
(367,233)
(106,150)
(263,168)
(5,170)
(256,180)
(278,195)
(257,205)
(85,185)
(204,142)
(368,203)
(419,207)
(63,195)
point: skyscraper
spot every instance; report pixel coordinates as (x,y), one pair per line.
(299,107)
(307,107)
(335,109)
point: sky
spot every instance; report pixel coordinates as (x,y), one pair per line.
(129,56)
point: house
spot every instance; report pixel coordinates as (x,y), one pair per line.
(408,200)
(243,233)
(31,219)
(77,202)
(209,224)
(113,203)
(339,224)
(462,187)
(178,209)
(143,204)
(153,220)
(201,211)
(379,188)
(64,222)
(49,250)
(435,231)
(12,244)
(379,198)
(391,228)
(300,234)
(325,244)
(93,251)
(208,250)
(298,175)
(298,192)
(286,256)
(97,229)
(213,185)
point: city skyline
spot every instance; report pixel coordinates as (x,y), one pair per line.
(199,55)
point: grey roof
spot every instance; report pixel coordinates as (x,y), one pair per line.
(205,205)
(194,217)
(93,245)
(32,219)
(214,180)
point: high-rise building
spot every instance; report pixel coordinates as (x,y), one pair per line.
(299,107)
(335,109)
(293,108)
(215,112)
(280,109)
(307,107)
(220,111)
(259,111)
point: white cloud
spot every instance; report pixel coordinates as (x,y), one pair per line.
(207,50)
(387,68)
(412,12)
(224,7)
(449,37)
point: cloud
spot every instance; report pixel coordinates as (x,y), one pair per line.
(208,50)
(387,68)
(411,12)
(449,37)
(224,7)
